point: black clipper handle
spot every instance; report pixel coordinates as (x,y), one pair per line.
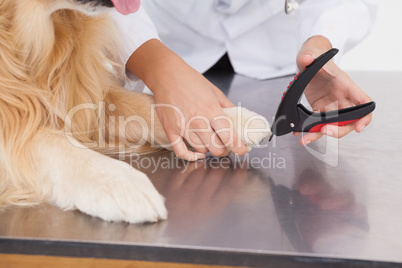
(313,122)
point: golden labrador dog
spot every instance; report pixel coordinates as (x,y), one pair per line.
(63,107)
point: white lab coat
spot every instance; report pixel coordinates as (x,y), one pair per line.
(261,40)
(134,30)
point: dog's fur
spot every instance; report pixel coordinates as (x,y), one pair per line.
(56,55)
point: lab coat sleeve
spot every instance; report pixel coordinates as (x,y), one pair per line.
(134,30)
(343,22)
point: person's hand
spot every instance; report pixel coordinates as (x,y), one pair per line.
(188,105)
(330,89)
(198,106)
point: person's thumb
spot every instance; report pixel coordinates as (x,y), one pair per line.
(305,58)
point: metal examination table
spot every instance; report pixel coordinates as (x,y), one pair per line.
(336,203)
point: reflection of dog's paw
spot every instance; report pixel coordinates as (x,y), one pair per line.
(114,191)
(252,127)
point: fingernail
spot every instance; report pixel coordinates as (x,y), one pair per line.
(361,128)
(328,132)
(307,142)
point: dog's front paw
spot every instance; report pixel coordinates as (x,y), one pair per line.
(123,193)
(250,126)
(111,190)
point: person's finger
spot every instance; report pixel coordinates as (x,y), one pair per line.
(310,137)
(305,59)
(311,49)
(336,131)
(357,97)
(195,142)
(208,137)
(224,128)
(329,130)
(363,123)
(180,148)
(340,132)
(214,144)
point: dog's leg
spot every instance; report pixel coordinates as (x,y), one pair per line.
(74,177)
(132,119)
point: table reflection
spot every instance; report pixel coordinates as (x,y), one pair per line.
(314,210)
(213,203)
